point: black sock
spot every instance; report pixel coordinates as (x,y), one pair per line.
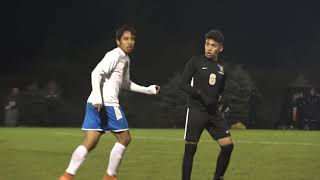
(189,151)
(223,161)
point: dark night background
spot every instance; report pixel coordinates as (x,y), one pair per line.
(64,40)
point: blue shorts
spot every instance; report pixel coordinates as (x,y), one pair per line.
(109,118)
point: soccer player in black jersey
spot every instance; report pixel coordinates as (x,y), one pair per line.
(203,80)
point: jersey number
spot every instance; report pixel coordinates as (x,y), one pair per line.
(212,79)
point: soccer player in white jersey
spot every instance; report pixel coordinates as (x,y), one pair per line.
(103,112)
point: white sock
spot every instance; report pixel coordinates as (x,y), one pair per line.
(115,158)
(77,159)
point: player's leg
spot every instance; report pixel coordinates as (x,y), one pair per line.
(218,129)
(117,152)
(226,147)
(193,130)
(190,149)
(117,123)
(78,156)
(92,126)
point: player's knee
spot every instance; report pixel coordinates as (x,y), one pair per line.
(190,148)
(125,141)
(191,142)
(128,140)
(227,149)
(90,147)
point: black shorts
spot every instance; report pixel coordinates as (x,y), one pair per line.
(197,120)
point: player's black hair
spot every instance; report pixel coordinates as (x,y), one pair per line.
(216,35)
(124,28)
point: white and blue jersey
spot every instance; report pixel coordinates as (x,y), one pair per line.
(108,77)
(109,118)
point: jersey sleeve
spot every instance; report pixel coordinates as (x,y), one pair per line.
(131,86)
(126,78)
(223,84)
(186,78)
(105,66)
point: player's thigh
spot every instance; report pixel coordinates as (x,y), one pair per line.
(91,139)
(218,128)
(195,124)
(123,137)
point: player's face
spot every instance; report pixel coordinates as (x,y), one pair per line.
(212,49)
(126,42)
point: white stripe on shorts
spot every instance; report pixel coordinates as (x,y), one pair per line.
(186,125)
(117,111)
(187,116)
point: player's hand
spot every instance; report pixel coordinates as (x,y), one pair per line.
(158,88)
(154,89)
(97,106)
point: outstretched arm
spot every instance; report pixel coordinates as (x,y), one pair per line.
(128,84)
(151,90)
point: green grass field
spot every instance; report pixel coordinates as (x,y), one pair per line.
(156,154)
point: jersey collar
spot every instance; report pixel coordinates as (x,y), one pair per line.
(122,53)
(211,60)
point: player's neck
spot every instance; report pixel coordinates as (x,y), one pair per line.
(124,52)
(215,58)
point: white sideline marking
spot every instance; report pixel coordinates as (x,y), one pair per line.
(206,141)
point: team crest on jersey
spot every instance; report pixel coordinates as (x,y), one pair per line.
(221,69)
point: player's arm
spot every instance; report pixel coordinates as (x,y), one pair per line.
(223,84)
(221,99)
(151,90)
(128,84)
(185,83)
(106,65)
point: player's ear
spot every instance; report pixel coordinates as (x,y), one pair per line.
(118,42)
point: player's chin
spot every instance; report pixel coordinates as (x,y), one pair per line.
(129,50)
(209,55)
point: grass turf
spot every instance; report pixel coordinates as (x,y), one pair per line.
(156,154)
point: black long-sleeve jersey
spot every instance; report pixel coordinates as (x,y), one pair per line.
(203,80)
